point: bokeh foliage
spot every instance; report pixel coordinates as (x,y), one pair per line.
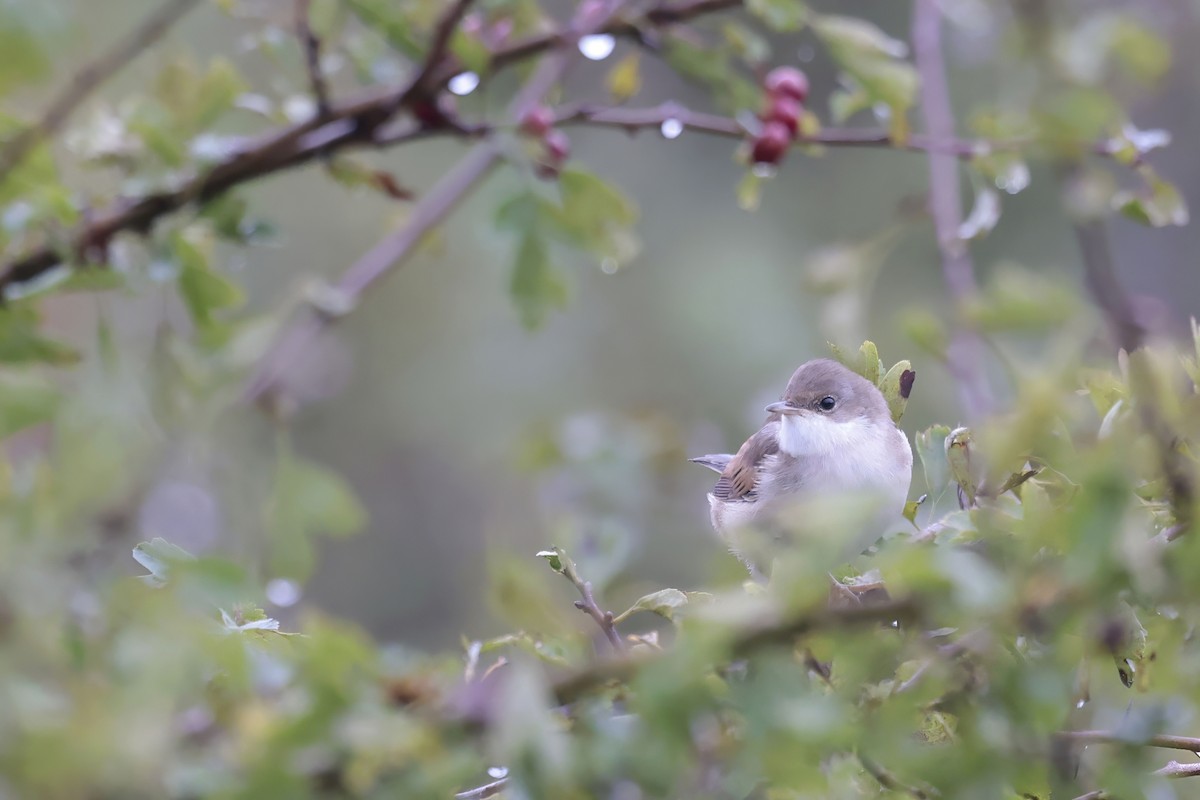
(1047,584)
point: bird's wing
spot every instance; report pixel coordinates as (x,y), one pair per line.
(717,462)
(740,477)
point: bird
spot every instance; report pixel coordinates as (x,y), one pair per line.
(830,433)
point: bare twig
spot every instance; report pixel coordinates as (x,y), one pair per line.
(86,80)
(312,58)
(1175,769)
(945,204)
(1167,741)
(481,792)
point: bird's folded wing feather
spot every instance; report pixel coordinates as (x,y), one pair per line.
(740,477)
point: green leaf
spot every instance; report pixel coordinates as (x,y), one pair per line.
(23,41)
(869,364)
(20,342)
(595,217)
(926,331)
(625,80)
(204,291)
(779,15)
(749,191)
(160,556)
(931,451)
(896,386)
(389,19)
(25,399)
(876,63)
(664,602)
(536,286)
(958,458)
(1159,204)
(308,500)
(1021,299)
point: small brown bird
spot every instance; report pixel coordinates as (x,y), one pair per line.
(831,432)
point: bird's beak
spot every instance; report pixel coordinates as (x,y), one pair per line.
(782,408)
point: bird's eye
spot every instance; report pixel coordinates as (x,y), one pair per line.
(826,403)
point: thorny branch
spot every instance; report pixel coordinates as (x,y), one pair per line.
(965,355)
(88,79)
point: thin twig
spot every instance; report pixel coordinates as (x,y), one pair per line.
(889,781)
(442,33)
(589,606)
(396,247)
(1167,741)
(86,81)
(481,792)
(1130,335)
(965,354)
(1175,769)
(354,122)
(749,639)
(311,44)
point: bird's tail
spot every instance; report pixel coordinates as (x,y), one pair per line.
(716,462)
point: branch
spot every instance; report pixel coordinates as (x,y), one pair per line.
(889,781)
(481,792)
(589,606)
(749,639)
(1168,741)
(428,213)
(1174,769)
(633,120)
(1130,335)
(312,58)
(442,33)
(354,122)
(965,354)
(86,80)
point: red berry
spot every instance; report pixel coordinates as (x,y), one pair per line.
(787,82)
(558,147)
(781,108)
(771,145)
(537,121)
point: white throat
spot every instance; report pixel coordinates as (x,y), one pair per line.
(802,435)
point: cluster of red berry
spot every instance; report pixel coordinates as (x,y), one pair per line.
(538,123)
(787,89)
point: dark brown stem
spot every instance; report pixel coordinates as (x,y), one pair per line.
(436,54)
(311,45)
(86,80)
(965,354)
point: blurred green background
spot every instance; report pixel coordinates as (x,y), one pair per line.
(468,437)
